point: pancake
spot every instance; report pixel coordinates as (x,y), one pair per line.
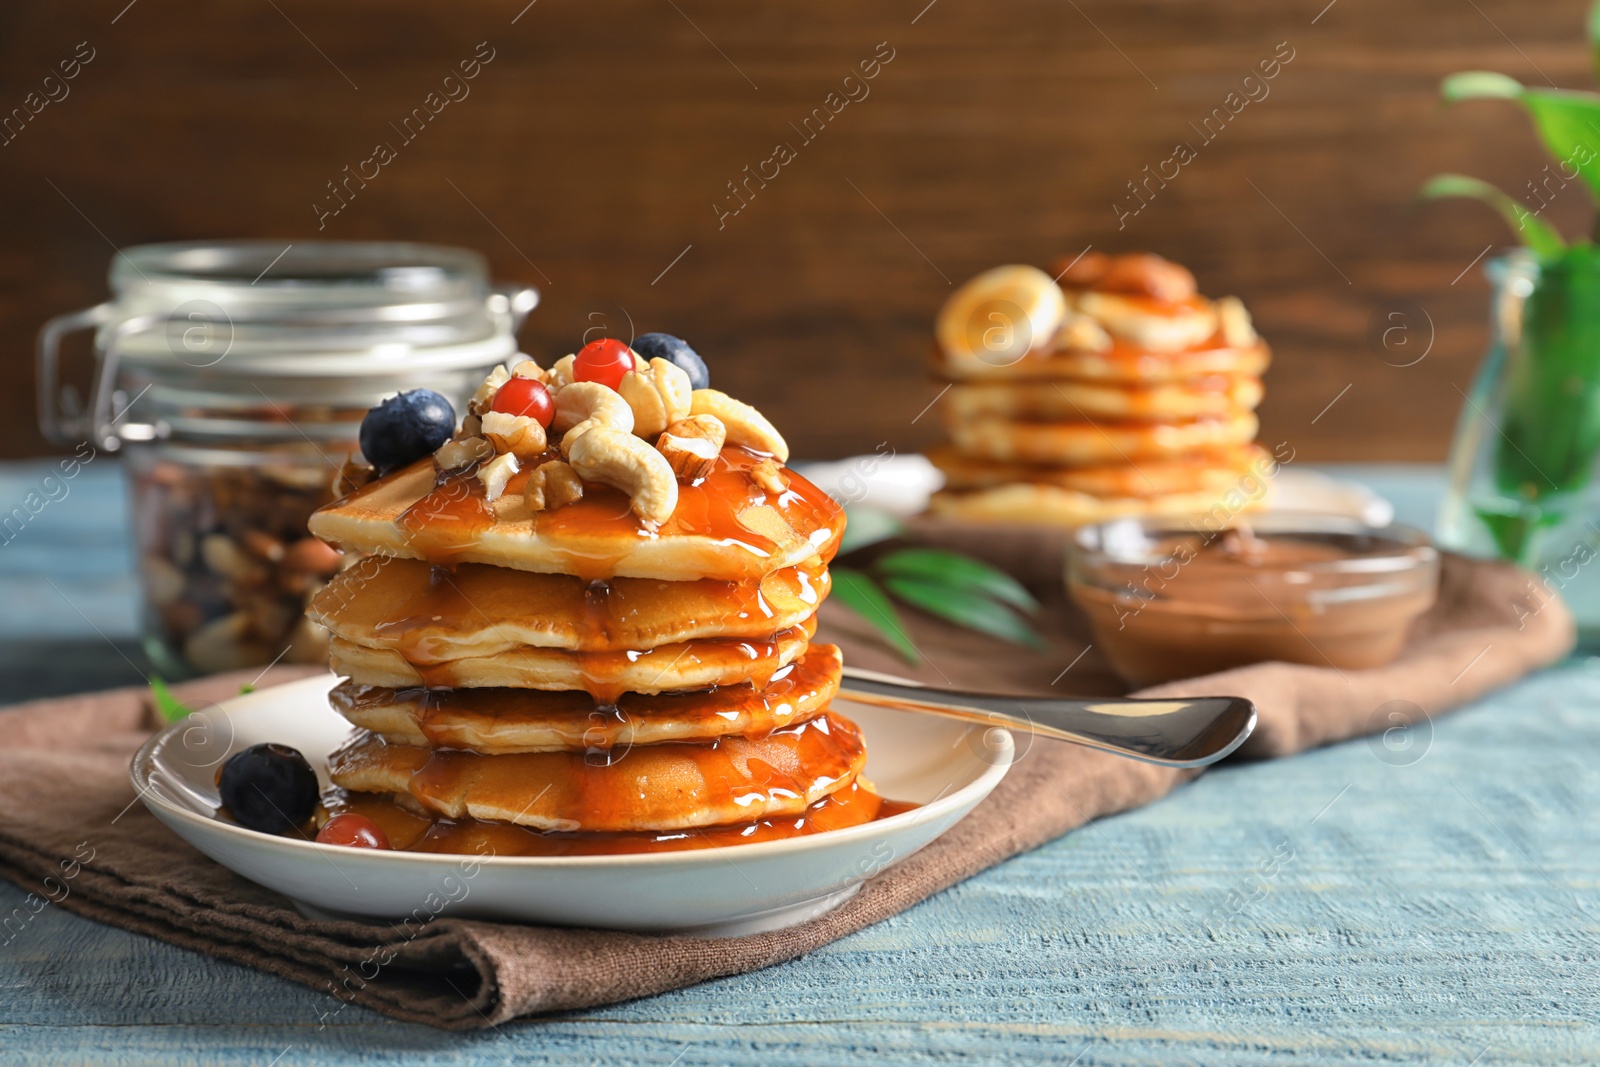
(653,787)
(1214,469)
(1194,398)
(1054,506)
(1092,444)
(1149,323)
(417,831)
(695,664)
(1122,362)
(725,526)
(428,615)
(504,721)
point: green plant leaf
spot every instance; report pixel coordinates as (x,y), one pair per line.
(954,569)
(1536,233)
(964,608)
(1479,85)
(1568,122)
(1569,125)
(867,526)
(171,708)
(861,595)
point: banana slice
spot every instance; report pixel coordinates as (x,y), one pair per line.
(1000,316)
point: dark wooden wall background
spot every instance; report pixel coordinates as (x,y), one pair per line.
(592,148)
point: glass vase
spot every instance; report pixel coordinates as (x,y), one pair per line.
(1522,467)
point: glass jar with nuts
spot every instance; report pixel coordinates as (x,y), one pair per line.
(234,377)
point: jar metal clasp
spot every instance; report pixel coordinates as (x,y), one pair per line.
(64,419)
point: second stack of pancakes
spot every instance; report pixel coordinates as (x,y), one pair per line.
(1112,389)
(533,676)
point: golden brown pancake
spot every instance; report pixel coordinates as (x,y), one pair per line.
(651,787)
(1213,469)
(695,664)
(1093,444)
(414,829)
(503,721)
(1123,362)
(1194,398)
(725,526)
(1152,324)
(429,614)
(1054,506)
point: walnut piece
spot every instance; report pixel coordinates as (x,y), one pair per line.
(552,485)
(769,476)
(692,445)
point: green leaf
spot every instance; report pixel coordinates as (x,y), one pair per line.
(1536,233)
(861,595)
(1568,122)
(867,526)
(964,608)
(963,572)
(171,708)
(1479,85)
(246,689)
(1569,125)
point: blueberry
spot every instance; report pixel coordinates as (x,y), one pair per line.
(676,351)
(270,788)
(404,428)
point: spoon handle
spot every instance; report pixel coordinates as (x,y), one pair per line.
(1176,732)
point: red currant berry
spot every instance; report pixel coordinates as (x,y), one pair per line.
(352,831)
(604,361)
(525,396)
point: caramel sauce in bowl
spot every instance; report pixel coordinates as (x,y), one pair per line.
(1170,599)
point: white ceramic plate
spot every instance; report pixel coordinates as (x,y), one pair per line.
(901,485)
(945,765)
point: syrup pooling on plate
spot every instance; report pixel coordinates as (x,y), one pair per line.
(851,806)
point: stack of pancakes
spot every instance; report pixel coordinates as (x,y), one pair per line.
(576,679)
(1113,389)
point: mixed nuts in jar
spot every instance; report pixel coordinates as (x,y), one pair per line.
(234,376)
(226,562)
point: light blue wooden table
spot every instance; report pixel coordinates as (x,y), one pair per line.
(1439,907)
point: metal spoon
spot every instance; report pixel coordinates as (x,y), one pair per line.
(1178,732)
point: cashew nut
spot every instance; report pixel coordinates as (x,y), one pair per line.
(561,373)
(484,396)
(659,396)
(496,473)
(462,453)
(617,458)
(583,406)
(746,426)
(527,368)
(519,434)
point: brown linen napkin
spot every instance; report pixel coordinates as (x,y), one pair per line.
(72,832)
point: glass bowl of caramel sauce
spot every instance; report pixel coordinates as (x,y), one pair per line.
(1171,599)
